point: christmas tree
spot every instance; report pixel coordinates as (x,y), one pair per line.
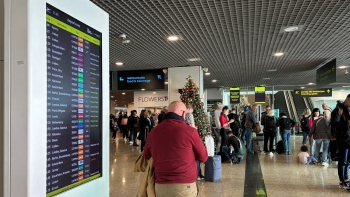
(190,95)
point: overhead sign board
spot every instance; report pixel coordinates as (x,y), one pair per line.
(327,74)
(322,92)
(234,95)
(260,95)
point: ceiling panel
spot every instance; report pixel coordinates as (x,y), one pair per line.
(235,39)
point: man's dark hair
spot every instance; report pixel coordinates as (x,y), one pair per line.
(224,108)
(229,132)
(282,114)
(304,148)
(348,96)
(267,106)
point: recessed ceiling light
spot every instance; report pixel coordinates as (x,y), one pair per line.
(214,80)
(311,84)
(289,29)
(143,89)
(267,78)
(342,67)
(173,38)
(207,74)
(127,41)
(166,82)
(123,93)
(119,63)
(346,86)
(302,87)
(112,96)
(272,70)
(278,54)
(154,92)
(115,100)
(193,59)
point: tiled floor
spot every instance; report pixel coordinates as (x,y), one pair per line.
(282,176)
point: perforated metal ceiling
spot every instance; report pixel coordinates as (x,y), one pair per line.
(235,39)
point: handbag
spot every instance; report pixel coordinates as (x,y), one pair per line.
(256,128)
(140,164)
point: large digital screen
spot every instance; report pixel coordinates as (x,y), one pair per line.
(140,79)
(74,103)
(260,95)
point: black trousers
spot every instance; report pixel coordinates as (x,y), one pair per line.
(125,131)
(269,136)
(223,138)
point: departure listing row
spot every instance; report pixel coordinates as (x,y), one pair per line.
(73,102)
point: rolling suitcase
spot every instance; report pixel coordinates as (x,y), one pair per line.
(213,170)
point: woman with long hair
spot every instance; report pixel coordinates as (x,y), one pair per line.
(315,115)
(225,124)
(304,122)
(145,125)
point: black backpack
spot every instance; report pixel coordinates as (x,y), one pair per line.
(270,123)
(280,147)
(304,123)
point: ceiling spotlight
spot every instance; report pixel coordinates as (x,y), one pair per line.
(123,93)
(302,87)
(193,59)
(207,74)
(214,80)
(119,63)
(342,67)
(143,89)
(272,70)
(166,82)
(278,54)
(205,69)
(123,40)
(173,38)
(154,92)
(346,86)
(112,96)
(267,78)
(165,71)
(290,29)
(311,84)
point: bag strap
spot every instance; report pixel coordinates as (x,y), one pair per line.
(239,141)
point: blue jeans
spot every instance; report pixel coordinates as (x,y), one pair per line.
(199,169)
(285,138)
(305,134)
(244,136)
(343,164)
(325,149)
(226,150)
(249,139)
(130,136)
(312,146)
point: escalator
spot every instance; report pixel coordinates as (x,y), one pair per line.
(280,103)
(299,103)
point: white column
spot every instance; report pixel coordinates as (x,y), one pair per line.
(2,70)
(177,79)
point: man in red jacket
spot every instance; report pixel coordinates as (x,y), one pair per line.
(175,146)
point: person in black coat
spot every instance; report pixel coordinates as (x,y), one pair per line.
(286,125)
(153,124)
(342,128)
(145,125)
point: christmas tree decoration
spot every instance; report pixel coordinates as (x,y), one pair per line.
(191,95)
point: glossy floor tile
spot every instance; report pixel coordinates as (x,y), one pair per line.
(281,175)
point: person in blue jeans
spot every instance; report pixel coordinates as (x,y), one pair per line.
(342,129)
(321,131)
(286,124)
(249,124)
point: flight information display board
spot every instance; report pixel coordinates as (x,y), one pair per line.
(74,102)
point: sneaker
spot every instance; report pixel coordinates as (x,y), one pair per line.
(130,142)
(344,185)
(198,179)
(324,164)
(201,176)
(271,153)
(263,153)
(288,153)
